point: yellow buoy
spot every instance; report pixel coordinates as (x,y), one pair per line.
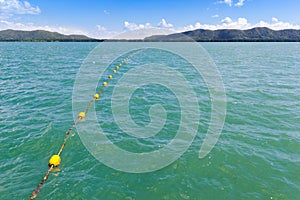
(110,76)
(120,64)
(115,71)
(104,84)
(117,67)
(96,96)
(81,115)
(54,160)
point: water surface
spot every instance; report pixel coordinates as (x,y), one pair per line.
(256,157)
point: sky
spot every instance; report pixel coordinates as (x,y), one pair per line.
(109,18)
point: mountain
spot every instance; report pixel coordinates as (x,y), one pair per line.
(259,34)
(231,35)
(42,36)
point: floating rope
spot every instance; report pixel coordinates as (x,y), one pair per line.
(55,159)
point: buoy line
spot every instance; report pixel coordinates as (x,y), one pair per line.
(55,159)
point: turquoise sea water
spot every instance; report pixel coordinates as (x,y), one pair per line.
(256,157)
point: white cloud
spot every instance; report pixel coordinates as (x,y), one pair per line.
(164,24)
(228,23)
(133,26)
(215,16)
(103,33)
(18,7)
(241,23)
(274,19)
(101,28)
(137,31)
(239,3)
(192,27)
(140,31)
(228,2)
(277,25)
(226,20)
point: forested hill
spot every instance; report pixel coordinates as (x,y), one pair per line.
(254,34)
(41,36)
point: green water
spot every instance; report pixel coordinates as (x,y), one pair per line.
(256,157)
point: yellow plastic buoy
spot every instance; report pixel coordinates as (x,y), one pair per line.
(96,96)
(81,115)
(115,71)
(104,84)
(110,76)
(54,160)
(117,67)
(120,65)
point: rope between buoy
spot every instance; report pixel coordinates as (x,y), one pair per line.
(55,159)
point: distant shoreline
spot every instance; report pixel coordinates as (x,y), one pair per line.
(259,34)
(123,40)
(94,40)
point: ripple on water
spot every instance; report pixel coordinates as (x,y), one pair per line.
(256,157)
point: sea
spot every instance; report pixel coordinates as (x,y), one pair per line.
(255,155)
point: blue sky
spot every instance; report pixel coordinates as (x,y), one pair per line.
(104,19)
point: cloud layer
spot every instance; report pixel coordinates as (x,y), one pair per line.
(225,23)
(133,26)
(133,30)
(242,23)
(18,7)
